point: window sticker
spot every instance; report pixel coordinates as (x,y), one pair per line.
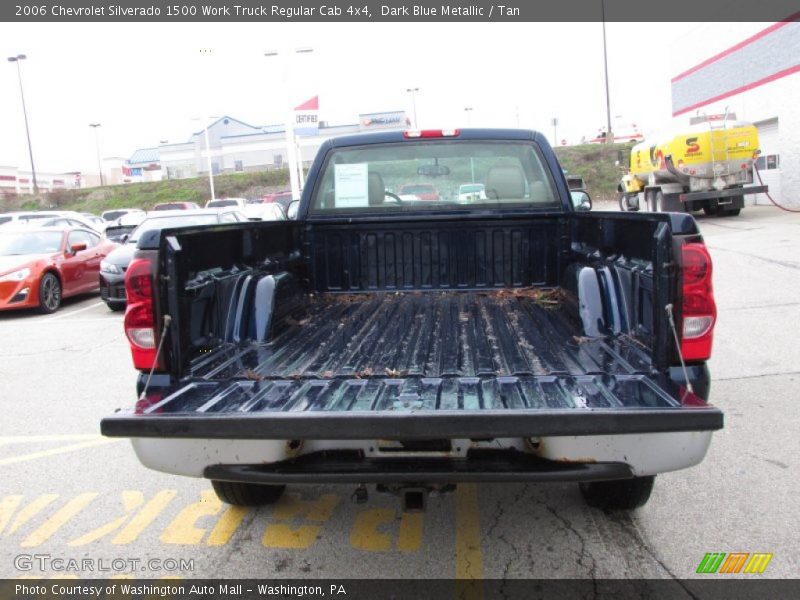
(351,185)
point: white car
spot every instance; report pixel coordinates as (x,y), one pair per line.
(227,203)
(265,212)
(115,213)
(470,192)
(14,219)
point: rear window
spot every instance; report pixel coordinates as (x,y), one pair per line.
(219,203)
(387,177)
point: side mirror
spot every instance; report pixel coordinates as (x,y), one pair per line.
(291,212)
(79,247)
(581,201)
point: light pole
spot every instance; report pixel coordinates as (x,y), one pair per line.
(554,122)
(413,92)
(16,59)
(208,156)
(609,136)
(97,148)
(295,167)
(468,111)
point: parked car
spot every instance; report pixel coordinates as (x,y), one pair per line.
(471,192)
(265,212)
(117,229)
(116,213)
(112,269)
(69,220)
(17,218)
(176,206)
(283,198)
(422,191)
(39,267)
(227,203)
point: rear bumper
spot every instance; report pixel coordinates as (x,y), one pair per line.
(557,458)
(347,466)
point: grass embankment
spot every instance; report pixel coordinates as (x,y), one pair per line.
(593,162)
(146,195)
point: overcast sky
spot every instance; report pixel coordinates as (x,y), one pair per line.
(146,82)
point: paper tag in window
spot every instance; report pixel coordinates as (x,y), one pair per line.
(352,188)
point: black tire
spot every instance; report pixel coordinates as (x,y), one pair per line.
(734,212)
(115,306)
(247,494)
(624,494)
(709,211)
(49,294)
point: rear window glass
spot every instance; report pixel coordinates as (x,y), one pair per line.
(170,222)
(170,206)
(431,175)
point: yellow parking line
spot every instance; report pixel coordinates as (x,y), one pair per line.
(54,523)
(60,450)
(469,563)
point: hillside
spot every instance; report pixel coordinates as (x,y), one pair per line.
(145,195)
(593,162)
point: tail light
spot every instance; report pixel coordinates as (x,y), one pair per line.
(699,310)
(139,319)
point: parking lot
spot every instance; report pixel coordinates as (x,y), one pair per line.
(66,492)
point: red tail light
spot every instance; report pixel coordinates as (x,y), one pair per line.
(139,320)
(699,310)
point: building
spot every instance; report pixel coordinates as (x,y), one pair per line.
(16,181)
(237,147)
(754,72)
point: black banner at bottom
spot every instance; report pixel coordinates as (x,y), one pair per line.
(731,588)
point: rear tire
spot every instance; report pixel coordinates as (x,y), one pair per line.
(247,494)
(708,211)
(115,306)
(49,294)
(734,212)
(623,494)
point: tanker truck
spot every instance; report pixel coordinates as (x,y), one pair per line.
(708,165)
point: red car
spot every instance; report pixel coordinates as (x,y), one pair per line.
(39,267)
(423,191)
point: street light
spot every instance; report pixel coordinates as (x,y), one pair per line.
(16,59)
(208,155)
(468,110)
(295,167)
(97,147)
(413,92)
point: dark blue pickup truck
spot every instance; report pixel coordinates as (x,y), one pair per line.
(419,342)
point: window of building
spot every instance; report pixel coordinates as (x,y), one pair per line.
(277,160)
(238,166)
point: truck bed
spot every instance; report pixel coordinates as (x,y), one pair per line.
(518,332)
(355,364)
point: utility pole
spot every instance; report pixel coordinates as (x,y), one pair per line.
(468,111)
(16,59)
(609,136)
(97,148)
(413,92)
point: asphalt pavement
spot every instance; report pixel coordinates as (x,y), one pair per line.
(67,493)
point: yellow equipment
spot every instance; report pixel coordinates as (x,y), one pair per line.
(704,166)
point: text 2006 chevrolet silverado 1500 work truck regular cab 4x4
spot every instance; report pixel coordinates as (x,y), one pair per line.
(419,344)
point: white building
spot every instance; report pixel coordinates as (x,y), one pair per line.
(754,72)
(17,181)
(236,146)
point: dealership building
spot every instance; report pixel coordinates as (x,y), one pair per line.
(235,146)
(754,72)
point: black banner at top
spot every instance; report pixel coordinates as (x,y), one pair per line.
(281,11)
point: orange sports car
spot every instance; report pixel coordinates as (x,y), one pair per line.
(39,267)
